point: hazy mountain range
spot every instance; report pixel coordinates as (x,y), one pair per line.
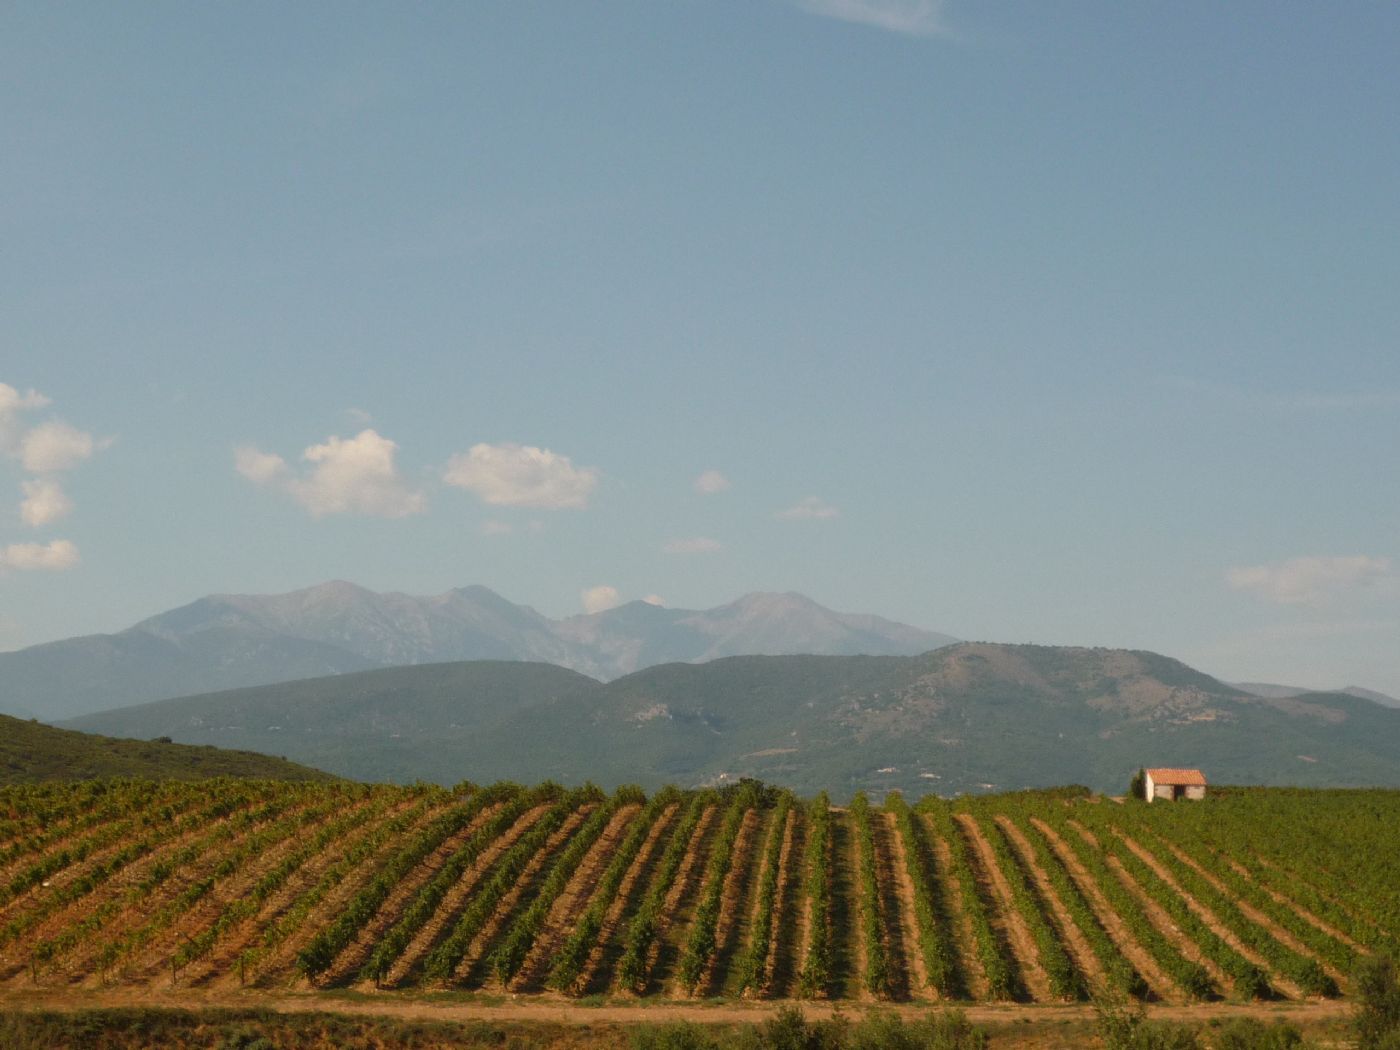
(227,641)
(1280,692)
(965,717)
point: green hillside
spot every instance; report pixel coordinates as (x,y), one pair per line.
(970,717)
(31,752)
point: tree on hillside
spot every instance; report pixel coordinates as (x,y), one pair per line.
(1137,787)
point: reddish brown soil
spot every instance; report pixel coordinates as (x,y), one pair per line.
(475,956)
(732,927)
(541,1008)
(280,966)
(73,831)
(1211,920)
(455,899)
(1319,923)
(573,900)
(152,964)
(848,955)
(223,959)
(141,915)
(37,904)
(1160,984)
(1360,918)
(789,912)
(751,919)
(1006,916)
(897,943)
(1252,913)
(674,917)
(1085,961)
(919,985)
(75,912)
(1157,915)
(355,954)
(627,891)
(969,963)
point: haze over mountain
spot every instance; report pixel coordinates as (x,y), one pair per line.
(966,717)
(1283,691)
(228,641)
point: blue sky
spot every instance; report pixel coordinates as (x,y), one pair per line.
(1067,323)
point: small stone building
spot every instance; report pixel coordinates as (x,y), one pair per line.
(1173,784)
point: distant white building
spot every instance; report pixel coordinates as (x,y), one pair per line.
(1173,784)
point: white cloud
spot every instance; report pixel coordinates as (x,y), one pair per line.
(54,556)
(44,449)
(600,598)
(54,445)
(654,599)
(346,476)
(261,468)
(12,403)
(44,502)
(1310,580)
(910,17)
(710,482)
(808,509)
(693,545)
(496,528)
(512,475)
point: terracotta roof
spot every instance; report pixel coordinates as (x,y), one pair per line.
(1181,777)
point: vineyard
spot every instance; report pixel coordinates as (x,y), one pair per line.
(745,891)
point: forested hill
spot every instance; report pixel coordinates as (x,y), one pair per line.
(970,717)
(31,752)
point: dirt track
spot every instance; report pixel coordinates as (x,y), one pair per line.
(557,1009)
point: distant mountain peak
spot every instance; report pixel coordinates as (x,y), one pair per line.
(225,641)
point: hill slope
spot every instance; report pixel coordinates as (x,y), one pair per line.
(230,641)
(963,718)
(31,752)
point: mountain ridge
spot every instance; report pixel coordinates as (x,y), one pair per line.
(957,718)
(226,641)
(1275,691)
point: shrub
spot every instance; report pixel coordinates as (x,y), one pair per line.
(1377,1019)
(1247,1033)
(1124,1026)
(677,1035)
(883,1030)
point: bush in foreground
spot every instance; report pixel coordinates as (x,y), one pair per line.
(1377,1019)
(790,1030)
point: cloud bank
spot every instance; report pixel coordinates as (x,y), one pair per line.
(908,17)
(54,556)
(693,545)
(1309,580)
(808,509)
(710,482)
